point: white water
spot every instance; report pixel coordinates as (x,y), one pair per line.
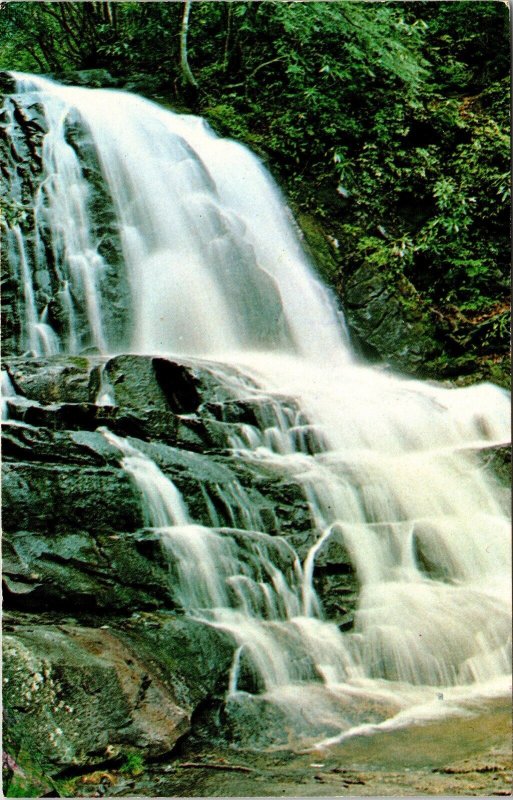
(6,390)
(215,270)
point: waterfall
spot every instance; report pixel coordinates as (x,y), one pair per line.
(213,269)
(196,244)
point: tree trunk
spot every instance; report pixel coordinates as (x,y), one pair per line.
(184,62)
(226,58)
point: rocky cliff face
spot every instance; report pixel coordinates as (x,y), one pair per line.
(100,659)
(21,133)
(30,239)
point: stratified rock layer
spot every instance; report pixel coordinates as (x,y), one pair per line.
(99,656)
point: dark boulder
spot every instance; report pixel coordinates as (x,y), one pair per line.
(77,696)
(52,380)
(7,83)
(387,316)
(497,461)
(94,78)
(50,498)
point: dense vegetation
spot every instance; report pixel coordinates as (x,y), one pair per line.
(387,124)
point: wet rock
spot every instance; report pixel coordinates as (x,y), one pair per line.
(322,247)
(427,561)
(335,581)
(144,382)
(214,487)
(76,545)
(78,696)
(332,554)
(497,460)
(334,577)
(339,593)
(193,657)
(106,573)
(51,380)
(23,442)
(73,517)
(22,128)
(51,498)
(249,721)
(55,403)
(143,83)
(387,316)
(152,398)
(95,78)
(63,416)
(177,384)
(7,83)
(253,722)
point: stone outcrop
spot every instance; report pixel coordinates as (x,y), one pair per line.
(23,126)
(78,696)
(92,619)
(497,461)
(386,315)
(92,622)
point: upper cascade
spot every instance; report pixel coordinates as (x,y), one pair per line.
(209,261)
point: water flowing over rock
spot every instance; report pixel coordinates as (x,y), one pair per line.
(209,501)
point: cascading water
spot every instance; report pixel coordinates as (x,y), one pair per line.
(214,269)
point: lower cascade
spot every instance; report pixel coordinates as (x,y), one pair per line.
(195,259)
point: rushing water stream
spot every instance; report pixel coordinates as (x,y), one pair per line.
(213,269)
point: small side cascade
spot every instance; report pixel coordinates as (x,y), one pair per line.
(57,251)
(6,390)
(62,214)
(105,395)
(162,502)
(46,335)
(40,338)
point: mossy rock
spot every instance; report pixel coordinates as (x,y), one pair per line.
(321,246)
(389,319)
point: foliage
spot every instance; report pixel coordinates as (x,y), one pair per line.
(23,776)
(443,197)
(133,764)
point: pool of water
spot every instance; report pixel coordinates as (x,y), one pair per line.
(465,755)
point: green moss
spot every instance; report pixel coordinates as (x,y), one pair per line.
(28,779)
(466,370)
(133,765)
(317,242)
(68,787)
(499,372)
(20,787)
(81,362)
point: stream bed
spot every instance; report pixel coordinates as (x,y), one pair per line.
(468,756)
